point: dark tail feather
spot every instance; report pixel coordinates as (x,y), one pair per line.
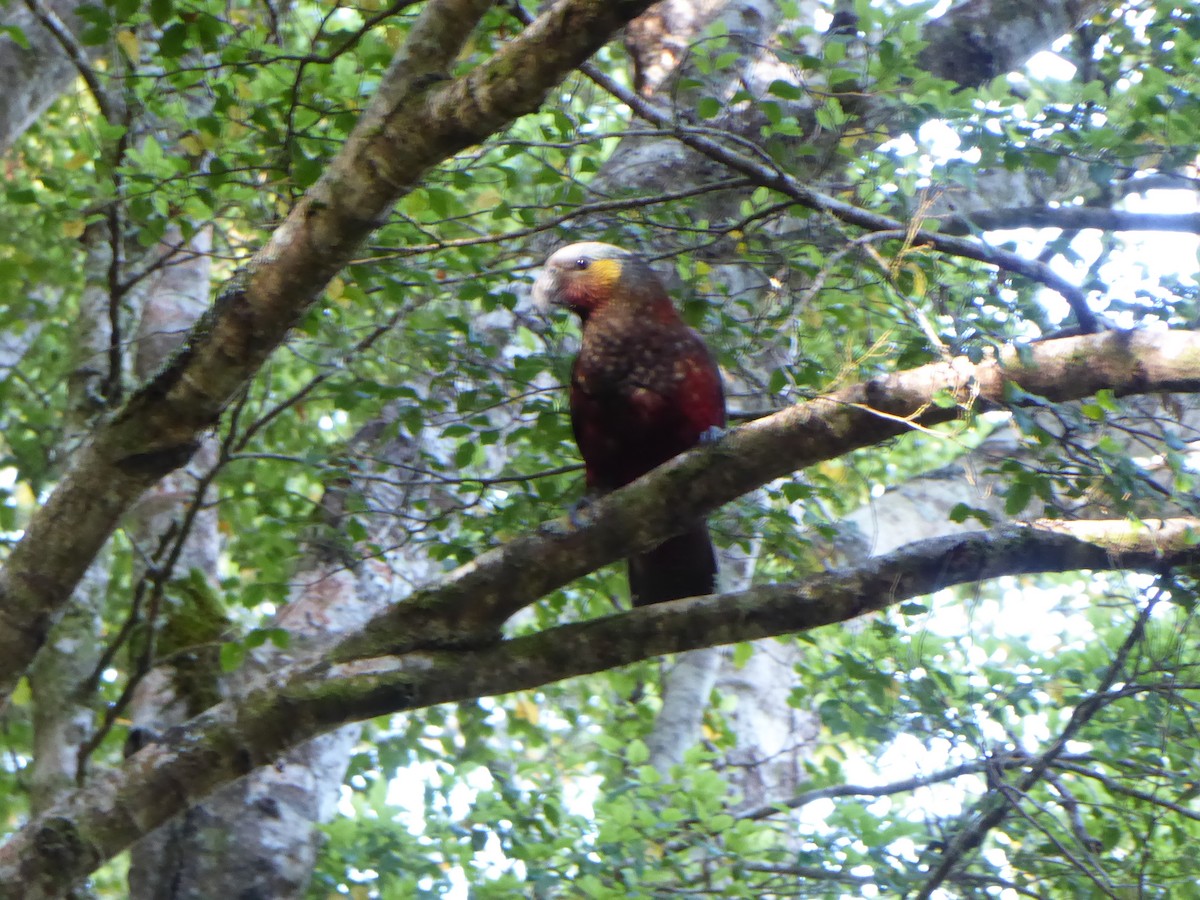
(683,566)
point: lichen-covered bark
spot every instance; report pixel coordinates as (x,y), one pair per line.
(51,852)
(418,119)
(257,836)
(470,606)
(62,714)
(176,296)
(33,76)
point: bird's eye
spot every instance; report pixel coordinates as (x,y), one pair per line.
(582,263)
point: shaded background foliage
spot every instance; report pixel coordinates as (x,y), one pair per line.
(416,417)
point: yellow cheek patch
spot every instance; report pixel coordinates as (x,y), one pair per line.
(603,273)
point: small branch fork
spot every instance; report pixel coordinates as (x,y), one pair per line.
(998,809)
(764,171)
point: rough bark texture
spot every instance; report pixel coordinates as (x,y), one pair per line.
(474,601)
(253,838)
(176,296)
(982,39)
(408,128)
(61,720)
(62,715)
(35,76)
(256,837)
(659,39)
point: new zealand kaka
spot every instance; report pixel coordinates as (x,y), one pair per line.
(644,388)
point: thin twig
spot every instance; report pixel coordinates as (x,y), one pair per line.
(713,144)
(971,836)
(75,52)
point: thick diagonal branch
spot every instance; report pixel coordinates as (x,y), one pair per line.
(469,607)
(443,644)
(419,118)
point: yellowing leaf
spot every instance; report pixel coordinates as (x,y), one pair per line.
(78,161)
(920,282)
(489,199)
(129,43)
(527,710)
(21,695)
(23,495)
(191,145)
(74,228)
(335,289)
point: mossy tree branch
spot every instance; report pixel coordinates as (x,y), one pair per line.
(444,644)
(52,852)
(469,607)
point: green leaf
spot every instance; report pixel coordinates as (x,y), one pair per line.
(161,11)
(1018,496)
(741,654)
(174,41)
(232,656)
(708,108)
(785,90)
(16,34)
(637,753)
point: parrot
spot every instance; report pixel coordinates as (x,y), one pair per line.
(644,388)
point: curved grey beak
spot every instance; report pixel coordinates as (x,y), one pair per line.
(545,290)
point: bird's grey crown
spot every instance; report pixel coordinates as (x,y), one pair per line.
(565,256)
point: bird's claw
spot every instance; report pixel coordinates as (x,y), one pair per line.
(712,434)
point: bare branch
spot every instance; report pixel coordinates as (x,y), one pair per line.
(65,38)
(903,786)
(764,171)
(1070,217)
(1116,787)
(971,836)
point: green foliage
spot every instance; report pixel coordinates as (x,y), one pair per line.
(416,418)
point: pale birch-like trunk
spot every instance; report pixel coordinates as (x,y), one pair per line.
(63,714)
(35,76)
